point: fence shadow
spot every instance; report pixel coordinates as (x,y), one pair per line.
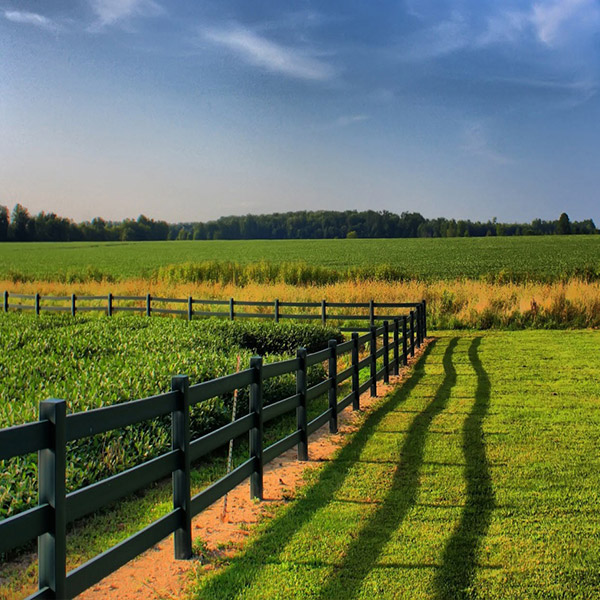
(363,553)
(272,540)
(454,580)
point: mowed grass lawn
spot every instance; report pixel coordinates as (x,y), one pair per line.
(478,478)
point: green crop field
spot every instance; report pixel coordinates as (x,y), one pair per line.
(478,478)
(97,362)
(536,258)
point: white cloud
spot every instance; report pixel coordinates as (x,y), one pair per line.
(29,18)
(440,39)
(261,52)
(475,141)
(550,18)
(110,12)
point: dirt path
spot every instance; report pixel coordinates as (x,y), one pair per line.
(156,574)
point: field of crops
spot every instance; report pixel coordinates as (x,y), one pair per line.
(544,258)
(96,362)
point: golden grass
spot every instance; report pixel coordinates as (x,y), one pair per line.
(460,303)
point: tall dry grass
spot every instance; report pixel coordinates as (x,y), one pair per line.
(455,304)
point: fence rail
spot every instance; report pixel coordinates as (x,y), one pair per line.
(388,349)
(156,305)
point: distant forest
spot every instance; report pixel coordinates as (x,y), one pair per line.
(20,226)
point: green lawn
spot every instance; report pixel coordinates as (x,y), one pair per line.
(544,257)
(479,478)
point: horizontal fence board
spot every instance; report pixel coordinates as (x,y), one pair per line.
(317,357)
(317,390)
(252,303)
(209,302)
(99,420)
(169,311)
(55,308)
(380,352)
(128,309)
(300,304)
(246,315)
(22,296)
(220,386)
(345,347)
(300,317)
(22,307)
(91,308)
(55,298)
(347,317)
(272,411)
(379,331)
(170,300)
(207,313)
(348,304)
(43,594)
(353,329)
(343,375)
(364,338)
(364,387)
(90,298)
(213,440)
(89,499)
(218,489)
(365,362)
(22,527)
(282,367)
(389,317)
(344,402)
(278,448)
(396,304)
(24,439)
(106,563)
(132,298)
(318,422)
(380,374)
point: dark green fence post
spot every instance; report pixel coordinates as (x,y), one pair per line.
(180,440)
(418,325)
(371,313)
(148,305)
(190,309)
(355,373)
(373,348)
(424,319)
(396,343)
(276,313)
(256,433)
(52,545)
(231,313)
(301,417)
(386,352)
(5,301)
(109,305)
(333,386)
(412,332)
(404,341)
(323,313)
(73,305)
(37,304)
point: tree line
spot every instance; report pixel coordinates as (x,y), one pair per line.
(20,226)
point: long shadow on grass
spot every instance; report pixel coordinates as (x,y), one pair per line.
(271,541)
(363,554)
(456,575)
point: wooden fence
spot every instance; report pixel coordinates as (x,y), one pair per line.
(343,312)
(389,347)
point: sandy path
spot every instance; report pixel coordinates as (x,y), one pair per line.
(156,574)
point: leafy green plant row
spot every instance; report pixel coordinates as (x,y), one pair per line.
(93,362)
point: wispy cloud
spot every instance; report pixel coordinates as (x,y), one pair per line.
(551,18)
(346,120)
(258,51)
(475,141)
(111,12)
(29,18)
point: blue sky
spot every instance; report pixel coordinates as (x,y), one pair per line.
(193,110)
